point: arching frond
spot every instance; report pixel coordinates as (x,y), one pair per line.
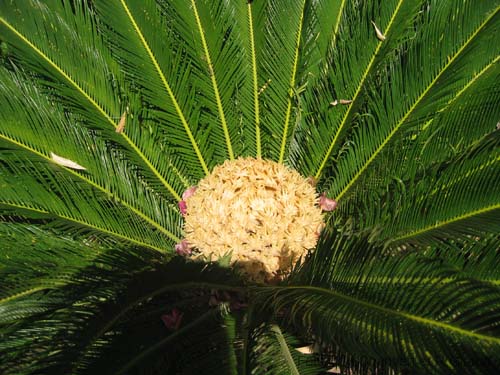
(84,78)
(411,96)
(459,200)
(278,42)
(158,63)
(276,352)
(28,246)
(477,260)
(122,287)
(111,110)
(353,59)
(32,130)
(414,315)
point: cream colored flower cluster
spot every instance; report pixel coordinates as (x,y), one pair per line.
(264,213)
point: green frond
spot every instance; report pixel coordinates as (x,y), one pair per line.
(477,260)
(277,32)
(417,314)
(84,78)
(459,200)
(461,125)
(137,303)
(36,190)
(475,107)
(210,64)
(323,19)
(35,263)
(393,106)
(212,354)
(473,260)
(27,275)
(255,81)
(275,352)
(122,287)
(462,53)
(353,59)
(159,63)
(32,129)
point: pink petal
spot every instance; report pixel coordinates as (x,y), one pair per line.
(183,207)
(327,204)
(189,192)
(182,248)
(172,320)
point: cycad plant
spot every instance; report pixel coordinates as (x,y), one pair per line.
(167,167)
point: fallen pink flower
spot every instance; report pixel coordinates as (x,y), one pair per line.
(183,207)
(326,203)
(172,320)
(182,204)
(182,248)
(189,192)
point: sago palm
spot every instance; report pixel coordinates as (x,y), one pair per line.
(164,165)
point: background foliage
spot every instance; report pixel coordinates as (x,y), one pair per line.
(393,106)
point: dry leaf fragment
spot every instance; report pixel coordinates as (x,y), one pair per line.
(305,350)
(380,36)
(66,162)
(121,124)
(341,101)
(334,370)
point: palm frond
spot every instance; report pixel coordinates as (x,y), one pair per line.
(459,200)
(158,63)
(122,287)
(36,263)
(353,59)
(227,66)
(390,105)
(476,260)
(474,107)
(451,62)
(161,289)
(72,217)
(33,129)
(275,352)
(27,246)
(417,314)
(177,352)
(277,43)
(84,78)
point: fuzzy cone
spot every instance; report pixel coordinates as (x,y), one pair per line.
(264,213)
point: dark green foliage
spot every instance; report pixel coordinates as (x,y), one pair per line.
(402,129)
